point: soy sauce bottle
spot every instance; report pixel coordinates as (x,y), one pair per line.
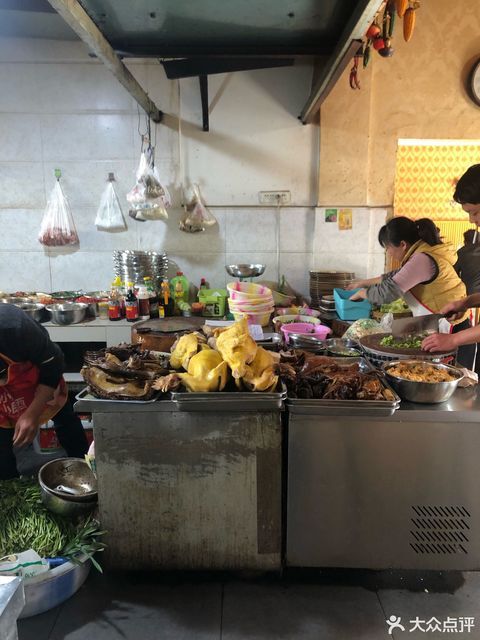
(131,304)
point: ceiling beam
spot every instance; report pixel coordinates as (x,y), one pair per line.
(77,18)
(190,67)
(346,48)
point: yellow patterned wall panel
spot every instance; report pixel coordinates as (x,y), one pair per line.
(425,178)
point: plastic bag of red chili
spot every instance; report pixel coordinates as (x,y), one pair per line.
(58,228)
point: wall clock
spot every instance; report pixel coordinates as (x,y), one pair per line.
(474,83)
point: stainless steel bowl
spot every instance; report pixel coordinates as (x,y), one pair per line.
(16,300)
(68,312)
(35,311)
(64,507)
(70,479)
(306,342)
(423,392)
(245,270)
(343,348)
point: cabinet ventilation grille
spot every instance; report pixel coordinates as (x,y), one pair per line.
(439,529)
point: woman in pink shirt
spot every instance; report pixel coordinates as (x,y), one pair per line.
(426,279)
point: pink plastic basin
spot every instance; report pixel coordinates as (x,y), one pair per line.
(319,330)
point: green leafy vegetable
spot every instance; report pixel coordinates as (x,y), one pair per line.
(405,342)
(25,523)
(397,306)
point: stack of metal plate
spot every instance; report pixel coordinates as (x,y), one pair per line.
(133,266)
(322,283)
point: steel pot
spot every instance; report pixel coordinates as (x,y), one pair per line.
(68,312)
(423,392)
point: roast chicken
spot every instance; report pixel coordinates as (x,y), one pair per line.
(206,372)
(237,348)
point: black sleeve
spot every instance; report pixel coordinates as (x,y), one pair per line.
(22,339)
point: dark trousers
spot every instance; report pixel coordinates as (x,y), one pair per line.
(467,353)
(70,434)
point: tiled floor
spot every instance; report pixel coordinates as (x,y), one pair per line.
(301,604)
(310,605)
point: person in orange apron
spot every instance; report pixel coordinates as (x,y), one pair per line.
(32,389)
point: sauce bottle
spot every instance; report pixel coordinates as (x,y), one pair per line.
(184,283)
(152,297)
(114,309)
(131,304)
(143,298)
(166,303)
(178,295)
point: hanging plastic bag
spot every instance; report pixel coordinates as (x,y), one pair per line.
(196,217)
(57,228)
(148,199)
(109,213)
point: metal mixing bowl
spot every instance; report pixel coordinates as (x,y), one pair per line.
(68,312)
(66,508)
(245,270)
(35,311)
(16,300)
(343,348)
(423,392)
(70,479)
(307,342)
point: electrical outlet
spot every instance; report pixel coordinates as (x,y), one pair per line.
(274,198)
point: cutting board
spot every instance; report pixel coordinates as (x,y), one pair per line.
(372,343)
(161,333)
(170,325)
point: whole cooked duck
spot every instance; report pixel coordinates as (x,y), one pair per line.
(115,387)
(122,373)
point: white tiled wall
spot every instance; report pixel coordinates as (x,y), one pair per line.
(356,249)
(59,108)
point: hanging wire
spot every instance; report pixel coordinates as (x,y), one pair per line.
(180,150)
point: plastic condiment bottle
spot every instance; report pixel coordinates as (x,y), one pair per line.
(114,310)
(185,285)
(143,298)
(117,283)
(131,304)
(165,303)
(203,284)
(152,296)
(178,295)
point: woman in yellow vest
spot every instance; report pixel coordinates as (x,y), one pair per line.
(426,279)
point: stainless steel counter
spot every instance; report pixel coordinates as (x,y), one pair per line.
(12,601)
(395,492)
(188,490)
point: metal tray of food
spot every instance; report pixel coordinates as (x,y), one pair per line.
(229,401)
(85,401)
(353,408)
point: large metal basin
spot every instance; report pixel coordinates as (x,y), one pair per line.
(423,392)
